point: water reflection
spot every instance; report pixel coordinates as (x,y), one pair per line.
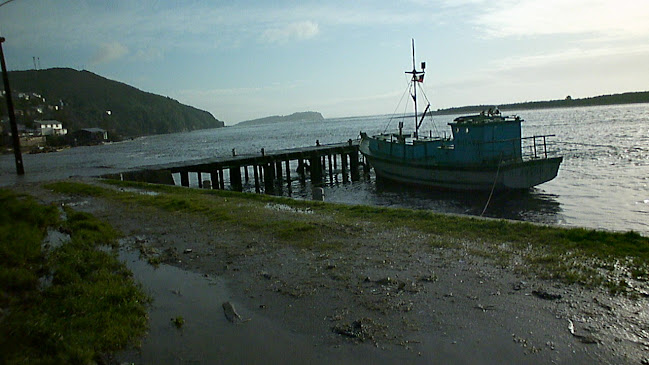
(534,205)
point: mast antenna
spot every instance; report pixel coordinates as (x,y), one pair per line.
(417,76)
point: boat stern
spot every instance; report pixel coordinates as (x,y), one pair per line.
(531,173)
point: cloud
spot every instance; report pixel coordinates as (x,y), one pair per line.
(516,18)
(108,52)
(297,30)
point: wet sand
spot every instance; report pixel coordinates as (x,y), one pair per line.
(381,297)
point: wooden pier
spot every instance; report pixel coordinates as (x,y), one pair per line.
(267,169)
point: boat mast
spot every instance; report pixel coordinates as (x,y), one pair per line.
(417,76)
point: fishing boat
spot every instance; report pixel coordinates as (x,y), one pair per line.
(484,152)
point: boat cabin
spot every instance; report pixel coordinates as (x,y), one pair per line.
(486,138)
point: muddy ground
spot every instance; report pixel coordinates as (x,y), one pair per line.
(381,297)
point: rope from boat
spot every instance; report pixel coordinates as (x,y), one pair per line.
(586,144)
(432,121)
(394,113)
(492,187)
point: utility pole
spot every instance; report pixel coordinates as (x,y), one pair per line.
(20,170)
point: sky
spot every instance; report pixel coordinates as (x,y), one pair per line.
(243,60)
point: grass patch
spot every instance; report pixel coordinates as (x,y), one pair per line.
(178,321)
(86,228)
(499,240)
(69,305)
(303,234)
(75,188)
(23,225)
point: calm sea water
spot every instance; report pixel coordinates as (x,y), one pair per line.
(603,182)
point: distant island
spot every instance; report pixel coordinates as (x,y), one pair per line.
(567,102)
(81,100)
(295,117)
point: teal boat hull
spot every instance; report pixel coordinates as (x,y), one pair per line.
(510,174)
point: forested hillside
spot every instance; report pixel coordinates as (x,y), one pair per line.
(81,99)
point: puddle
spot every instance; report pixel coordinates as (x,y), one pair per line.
(286,208)
(139,191)
(55,239)
(207,337)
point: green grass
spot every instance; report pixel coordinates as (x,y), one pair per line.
(85,228)
(23,224)
(68,305)
(76,188)
(566,254)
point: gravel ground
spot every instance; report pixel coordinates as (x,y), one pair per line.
(380,296)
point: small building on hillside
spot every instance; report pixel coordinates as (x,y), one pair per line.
(89,136)
(49,128)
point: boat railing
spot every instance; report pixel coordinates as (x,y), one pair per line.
(532,148)
(536,147)
(526,148)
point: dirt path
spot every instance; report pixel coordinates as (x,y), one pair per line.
(378,294)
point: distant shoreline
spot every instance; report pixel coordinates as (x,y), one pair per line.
(295,117)
(613,99)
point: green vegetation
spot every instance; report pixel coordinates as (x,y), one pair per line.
(65,304)
(84,98)
(573,255)
(179,322)
(74,188)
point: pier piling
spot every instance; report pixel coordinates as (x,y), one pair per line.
(235,178)
(215,179)
(256,175)
(184,178)
(343,164)
(316,170)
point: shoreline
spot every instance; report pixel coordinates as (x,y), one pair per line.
(365,287)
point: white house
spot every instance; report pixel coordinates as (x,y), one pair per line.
(49,128)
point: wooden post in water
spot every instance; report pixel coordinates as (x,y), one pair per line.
(288,171)
(235,178)
(301,169)
(245,169)
(271,170)
(184,178)
(353,166)
(343,163)
(221,179)
(200,180)
(278,169)
(331,170)
(256,175)
(316,170)
(215,179)
(268,177)
(288,175)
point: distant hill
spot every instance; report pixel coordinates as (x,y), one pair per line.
(295,117)
(625,98)
(84,99)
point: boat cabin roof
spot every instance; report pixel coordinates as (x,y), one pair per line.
(485,118)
